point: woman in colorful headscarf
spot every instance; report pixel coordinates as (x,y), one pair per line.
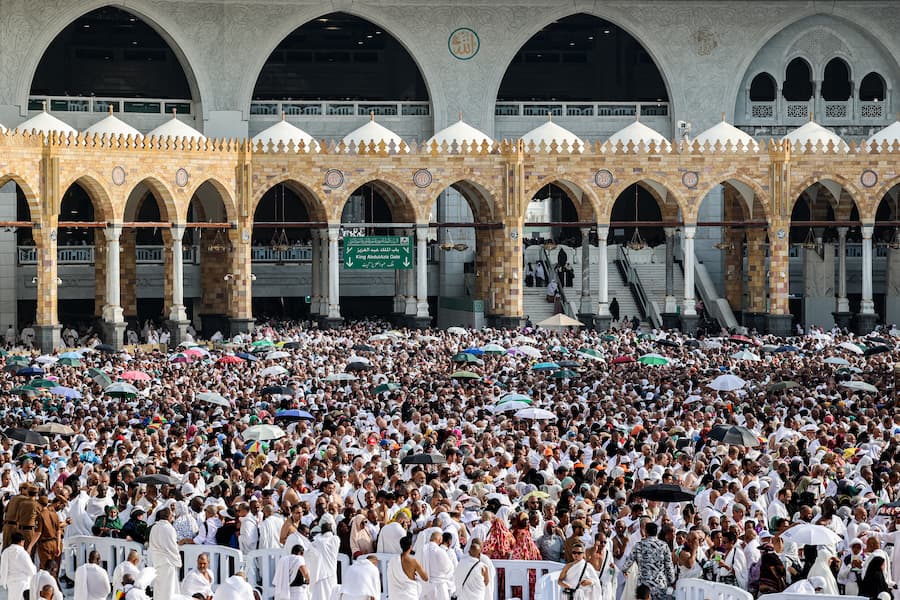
(499,541)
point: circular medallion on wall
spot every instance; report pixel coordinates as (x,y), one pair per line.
(514,234)
(182,177)
(422,178)
(334,178)
(245,236)
(118,175)
(690,179)
(781,234)
(603,178)
(868,178)
(53,235)
(463,43)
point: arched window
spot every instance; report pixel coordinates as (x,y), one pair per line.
(797,81)
(110,52)
(762,88)
(836,82)
(872,88)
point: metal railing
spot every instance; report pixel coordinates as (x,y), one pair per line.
(84,255)
(91,104)
(267,254)
(828,112)
(338,108)
(648,308)
(581,109)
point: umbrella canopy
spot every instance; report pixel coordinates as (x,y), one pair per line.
(465,357)
(538,414)
(525,339)
(745,355)
(105,348)
(387,387)
(282,390)
(293,414)
(277,355)
(72,354)
(294,346)
(564,374)
(457,331)
(30,372)
(569,363)
(246,356)
(876,350)
(668,343)
(465,375)
(782,385)
(851,347)
(535,494)
(837,360)
(653,359)
(860,386)
(69,362)
(262,344)
(424,459)
(158,479)
(15,359)
(263,433)
(510,406)
(621,360)
(545,366)
(120,389)
(560,320)
(180,358)
(666,492)
(727,383)
(54,429)
(273,371)
(590,354)
(42,383)
(213,398)
(46,359)
(493,349)
(66,392)
(743,339)
(474,351)
(515,397)
(26,436)
(809,534)
(358,366)
(230,359)
(99,377)
(734,435)
(134,376)
(341,377)
(529,351)
(363,348)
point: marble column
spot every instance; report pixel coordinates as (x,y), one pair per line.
(334,290)
(410,288)
(586,307)
(867,306)
(178,321)
(671,304)
(603,318)
(422,316)
(113,317)
(688,308)
(315,276)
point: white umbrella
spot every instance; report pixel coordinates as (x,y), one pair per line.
(276,354)
(46,359)
(851,347)
(712,344)
(539,414)
(262,433)
(809,534)
(530,351)
(358,359)
(501,498)
(457,331)
(341,377)
(213,398)
(379,337)
(837,360)
(727,383)
(745,355)
(273,371)
(512,405)
(524,339)
(860,386)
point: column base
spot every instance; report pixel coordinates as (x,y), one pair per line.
(689,324)
(587,319)
(602,322)
(757,321)
(240,325)
(865,323)
(415,322)
(504,322)
(48,337)
(398,319)
(779,325)
(844,320)
(177,331)
(671,320)
(114,333)
(331,322)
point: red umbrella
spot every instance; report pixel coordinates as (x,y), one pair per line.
(621,360)
(743,339)
(230,359)
(135,376)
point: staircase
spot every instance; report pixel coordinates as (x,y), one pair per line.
(653,277)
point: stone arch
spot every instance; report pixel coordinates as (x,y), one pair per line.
(758,86)
(163,22)
(480,198)
(754,199)
(402,208)
(224,195)
(31,198)
(588,205)
(621,19)
(395,28)
(660,191)
(872,87)
(168,210)
(830,181)
(313,204)
(96,191)
(836,62)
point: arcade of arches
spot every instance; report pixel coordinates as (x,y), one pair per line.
(227,193)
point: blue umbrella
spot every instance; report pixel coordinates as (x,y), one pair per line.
(545,366)
(66,392)
(475,351)
(246,356)
(787,349)
(294,414)
(77,355)
(29,372)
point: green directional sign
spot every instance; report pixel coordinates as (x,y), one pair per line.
(378,252)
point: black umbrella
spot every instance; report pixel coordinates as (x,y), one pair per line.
(358,366)
(363,348)
(26,436)
(292,346)
(158,479)
(880,340)
(734,435)
(668,343)
(104,348)
(692,343)
(424,459)
(877,350)
(277,389)
(666,492)
(568,364)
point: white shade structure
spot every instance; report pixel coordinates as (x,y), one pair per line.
(174,128)
(889,135)
(814,133)
(725,133)
(374,133)
(550,132)
(2,128)
(45,123)
(286,133)
(462,134)
(637,133)
(112,126)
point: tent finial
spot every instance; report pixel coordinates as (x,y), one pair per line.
(372,115)
(109,106)
(174,112)
(811,116)
(460,115)
(44,105)
(282,115)
(723,116)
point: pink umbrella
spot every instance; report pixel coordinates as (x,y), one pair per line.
(195,352)
(135,376)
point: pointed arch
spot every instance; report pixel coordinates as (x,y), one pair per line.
(31,197)
(400,205)
(97,192)
(754,199)
(161,193)
(224,195)
(478,196)
(583,198)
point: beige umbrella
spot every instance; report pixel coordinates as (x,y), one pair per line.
(560,320)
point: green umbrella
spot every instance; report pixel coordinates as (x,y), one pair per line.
(515,397)
(387,387)
(24,389)
(590,353)
(653,359)
(17,360)
(465,375)
(493,349)
(262,343)
(465,357)
(564,374)
(70,362)
(99,377)
(120,389)
(42,383)
(607,337)
(645,336)
(782,385)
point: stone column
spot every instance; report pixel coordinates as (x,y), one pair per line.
(423,319)
(603,318)
(240,265)
(47,327)
(323,272)
(892,295)
(867,319)
(113,317)
(670,307)
(316,291)
(178,321)
(779,318)
(334,290)
(586,306)
(9,260)
(688,309)
(842,315)
(410,287)
(755,312)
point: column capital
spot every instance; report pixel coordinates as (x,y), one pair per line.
(602,231)
(334,233)
(177,231)
(669,231)
(842,231)
(585,231)
(689,231)
(421,232)
(113,231)
(867,230)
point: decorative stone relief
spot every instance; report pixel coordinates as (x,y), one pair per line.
(118,175)
(334,178)
(182,177)
(603,178)
(705,41)
(868,178)
(422,178)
